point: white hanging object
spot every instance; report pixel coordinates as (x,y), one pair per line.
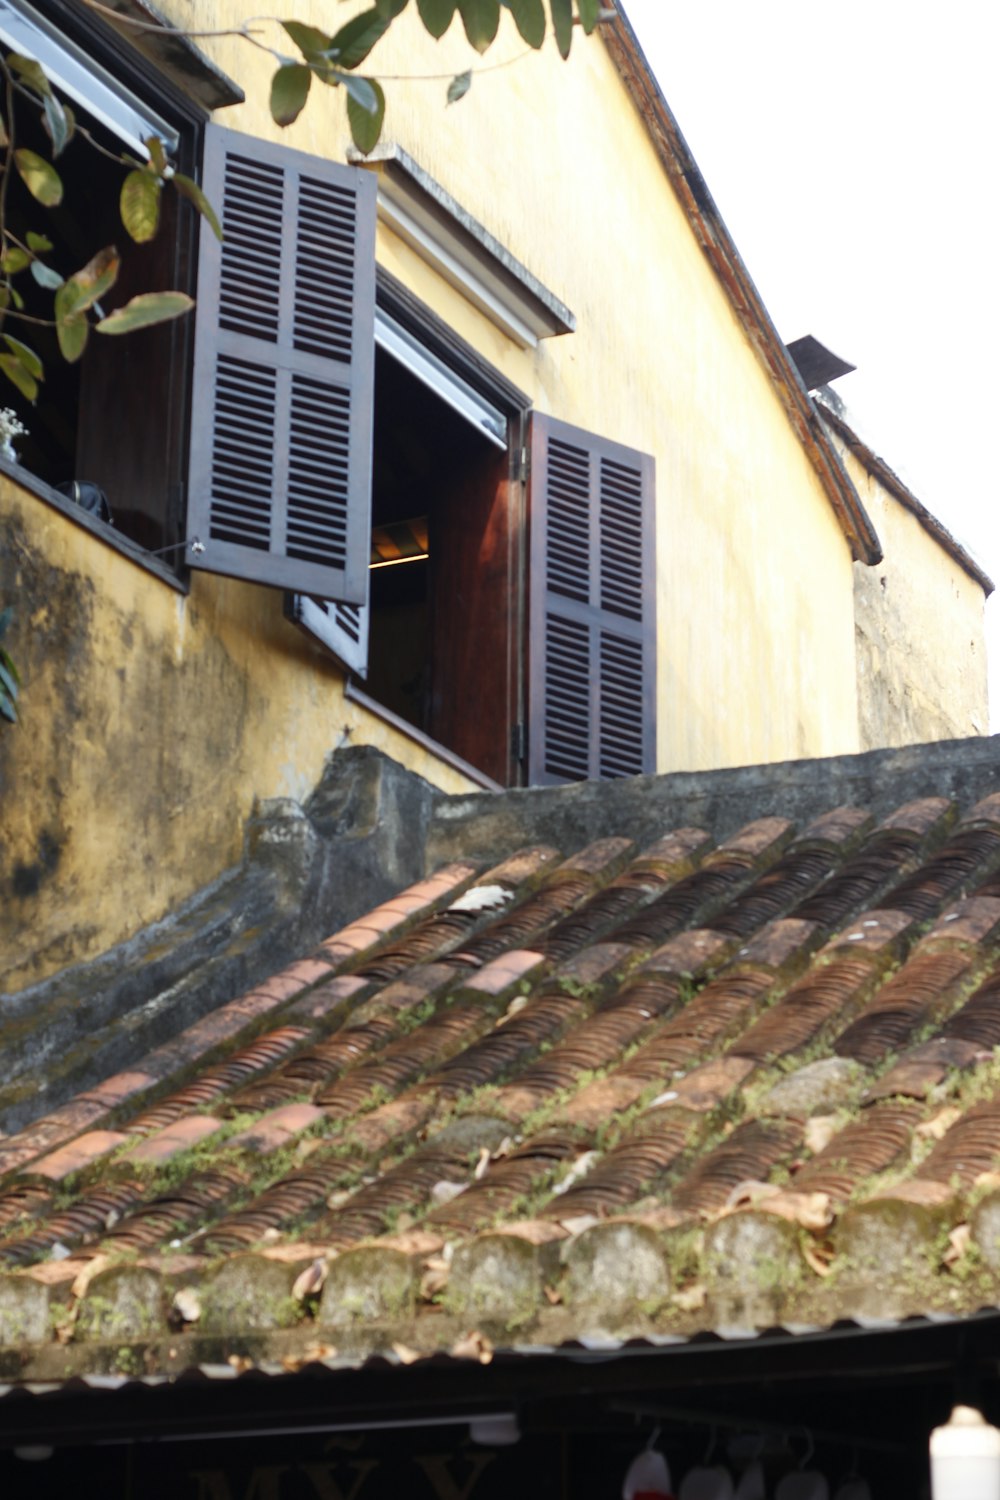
(648,1478)
(965,1458)
(707,1482)
(752,1485)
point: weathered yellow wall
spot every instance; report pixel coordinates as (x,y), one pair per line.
(151,723)
(921,648)
(128,785)
(756,651)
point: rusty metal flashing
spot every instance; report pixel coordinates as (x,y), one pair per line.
(713,236)
(889,480)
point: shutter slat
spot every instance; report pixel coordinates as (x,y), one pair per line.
(591,630)
(342,628)
(280,475)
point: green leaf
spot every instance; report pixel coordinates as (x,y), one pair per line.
(45,276)
(147,308)
(140,205)
(353,42)
(361,90)
(89,284)
(39,177)
(190,190)
(437,15)
(4,137)
(480,19)
(529,17)
(590,13)
(30,72)
(72,334)
(562,22)
(289,92)
(7,709)
(459,86)
(310,41)
(16,298)
(28,358)
(14,259)
(19,376)
(38,242)
(391,8)
(157,154)
(6,615)
(366,124)
(7,682)
(56,124)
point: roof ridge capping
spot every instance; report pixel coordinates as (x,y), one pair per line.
(710,229)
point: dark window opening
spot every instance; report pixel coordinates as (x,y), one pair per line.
(115,419)
(441,641)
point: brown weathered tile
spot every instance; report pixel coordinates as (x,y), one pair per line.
(78,1154)
(325,999)
(706,1087)
(674,851)
(276,1129)
(925,1067)
(780,945)
(114,1091)
(691,952)
(604,857)
(974,920)
(875,932)
(841,827)
(355,939)
(595,1104)
(496,978)
(985,811)
(391,1122)
(765,836)
(922,816)
(180,1136)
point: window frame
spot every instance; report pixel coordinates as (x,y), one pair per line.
(90,37)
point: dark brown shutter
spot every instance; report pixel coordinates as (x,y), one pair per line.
(280,473)
(342,628)
(592,641)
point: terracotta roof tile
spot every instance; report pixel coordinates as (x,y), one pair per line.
(511,1080)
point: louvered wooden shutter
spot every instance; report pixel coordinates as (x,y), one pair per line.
(280,471)
(592,643)
(342,628)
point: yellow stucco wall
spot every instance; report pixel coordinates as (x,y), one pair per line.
(756,651)
(129,783)
(151,724)
(921,647)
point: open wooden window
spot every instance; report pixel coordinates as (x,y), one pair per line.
(438,641)
(280,466)
(592,645)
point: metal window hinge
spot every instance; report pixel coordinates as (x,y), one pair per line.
(519,741)
(523,466)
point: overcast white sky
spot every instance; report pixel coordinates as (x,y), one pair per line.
(853,150)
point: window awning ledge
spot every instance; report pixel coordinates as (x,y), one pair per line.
(447,237)
(173,53)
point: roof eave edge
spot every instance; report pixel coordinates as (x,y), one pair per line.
(626,53)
